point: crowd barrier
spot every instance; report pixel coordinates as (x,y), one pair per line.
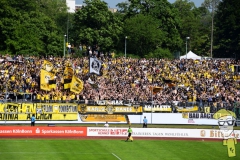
(20,131)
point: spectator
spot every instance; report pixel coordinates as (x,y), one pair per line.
(106,124)
(145,121)
(33,119)
(127,79)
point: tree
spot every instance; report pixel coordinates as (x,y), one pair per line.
(227,39)
(94,24)
(192,26)
(26,29)
(123,7)
(34,35)
(163,13)
(57,11)
(211,4)
(143,33)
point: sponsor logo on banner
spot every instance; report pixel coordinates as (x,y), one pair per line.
(159,132)
(216,134)
(43,131)
(198,115)
(107,132)
(138,132)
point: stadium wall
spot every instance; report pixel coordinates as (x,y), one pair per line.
(153,118)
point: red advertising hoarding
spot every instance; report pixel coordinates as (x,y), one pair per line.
(15,131)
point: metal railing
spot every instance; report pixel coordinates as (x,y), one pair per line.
(206,107)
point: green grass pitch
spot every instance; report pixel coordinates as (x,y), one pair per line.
(80,149)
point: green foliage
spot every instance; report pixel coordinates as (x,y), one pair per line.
(169,23)
(160,53)
(166,20)
(227,29)
(155,28)
(26,29)
(143,35)
(78,53)
(95,25)
(193,27)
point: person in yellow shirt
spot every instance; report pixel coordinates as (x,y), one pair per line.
(59,95)
(73,97)
(42,97)
(13,78)
(47,97)
(38,96)
(55,97)
(64,97)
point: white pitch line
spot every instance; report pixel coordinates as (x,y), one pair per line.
(116,156)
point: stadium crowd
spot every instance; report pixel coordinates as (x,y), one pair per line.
(203,81)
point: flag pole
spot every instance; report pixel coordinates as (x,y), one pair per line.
(152,105)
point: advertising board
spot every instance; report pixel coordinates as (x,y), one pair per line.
(15,131)
(159,132)
(171,118)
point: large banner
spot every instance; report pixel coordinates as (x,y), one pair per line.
(187,109)
(157,108)
(42,111)
(159,132)
(103,118)
(198,115)
(42,131)
(110,109)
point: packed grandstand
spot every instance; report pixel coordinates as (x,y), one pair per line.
(212,83)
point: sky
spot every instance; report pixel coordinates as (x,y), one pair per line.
(113,3)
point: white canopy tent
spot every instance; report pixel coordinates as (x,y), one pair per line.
(190,55)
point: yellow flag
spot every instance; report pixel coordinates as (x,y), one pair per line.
(52,84)
(48,66)
(76,85)
(68,74)
(45,76)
